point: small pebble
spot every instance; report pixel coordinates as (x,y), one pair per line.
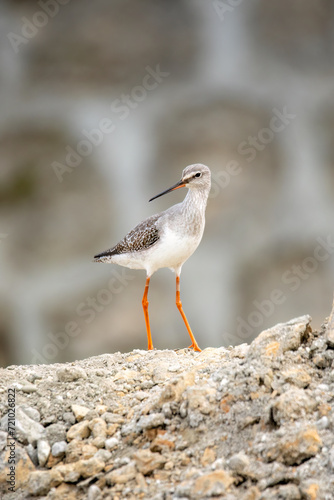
(43,451)
(323,423)
(94,493)
(58,449)
(111,443)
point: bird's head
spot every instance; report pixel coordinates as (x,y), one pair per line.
(197,176)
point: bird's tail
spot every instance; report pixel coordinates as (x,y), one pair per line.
(105,257)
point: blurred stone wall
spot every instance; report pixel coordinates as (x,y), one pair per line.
(103,105)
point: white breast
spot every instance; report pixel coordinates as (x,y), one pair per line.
(172,250)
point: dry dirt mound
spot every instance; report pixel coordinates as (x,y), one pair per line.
(250,422)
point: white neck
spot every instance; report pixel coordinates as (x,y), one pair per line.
(196,200)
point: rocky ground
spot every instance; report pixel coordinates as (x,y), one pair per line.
(253,422)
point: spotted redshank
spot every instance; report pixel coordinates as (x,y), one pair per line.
(167,239)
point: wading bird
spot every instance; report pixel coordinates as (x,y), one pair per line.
(167,239)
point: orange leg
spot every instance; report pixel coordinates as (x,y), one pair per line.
(147,319)
(194,344)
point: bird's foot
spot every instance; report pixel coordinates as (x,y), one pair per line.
(195,347)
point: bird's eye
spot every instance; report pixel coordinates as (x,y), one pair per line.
(198,174)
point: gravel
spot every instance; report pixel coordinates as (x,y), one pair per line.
(253,422)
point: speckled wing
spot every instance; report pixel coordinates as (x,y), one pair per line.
(143,236)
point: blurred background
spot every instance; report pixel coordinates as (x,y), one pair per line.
(102,106)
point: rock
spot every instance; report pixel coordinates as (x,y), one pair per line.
(94,493)
(294,448)
(3,440)
(174,367)
(310,490)
(330,338)
(91,415)
(55,433)
(252,493)
(280,339)
(98,427)
(208,457)
(111,429)
(167,410)
(297,376)
(239,462)
(292,405)
(27,430)
(77,450)
(125,375)
(70,373)
(122,475)
(147,462)
(53,461)
(160,373)
(140,395)
(64,490)
(32,376)
(103,455)
(70,473)
(101,409)
(199,398)
(25,386)
(150,421)
(59,448)
(90,467)
(318,345)
(212,484)
(284,492)
(78,431)
(23,467)
(79,412)
(128,429)
(195,419)
(322,423)
(43,452)
(111,418)
(174,392)
(69,418)
(183,409)
(32,452)
(82,468)
(40,482)
(163,442)
(33,413)
(111,443)
(321,360)
(330,329)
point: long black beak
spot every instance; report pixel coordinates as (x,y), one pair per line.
(180,184)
